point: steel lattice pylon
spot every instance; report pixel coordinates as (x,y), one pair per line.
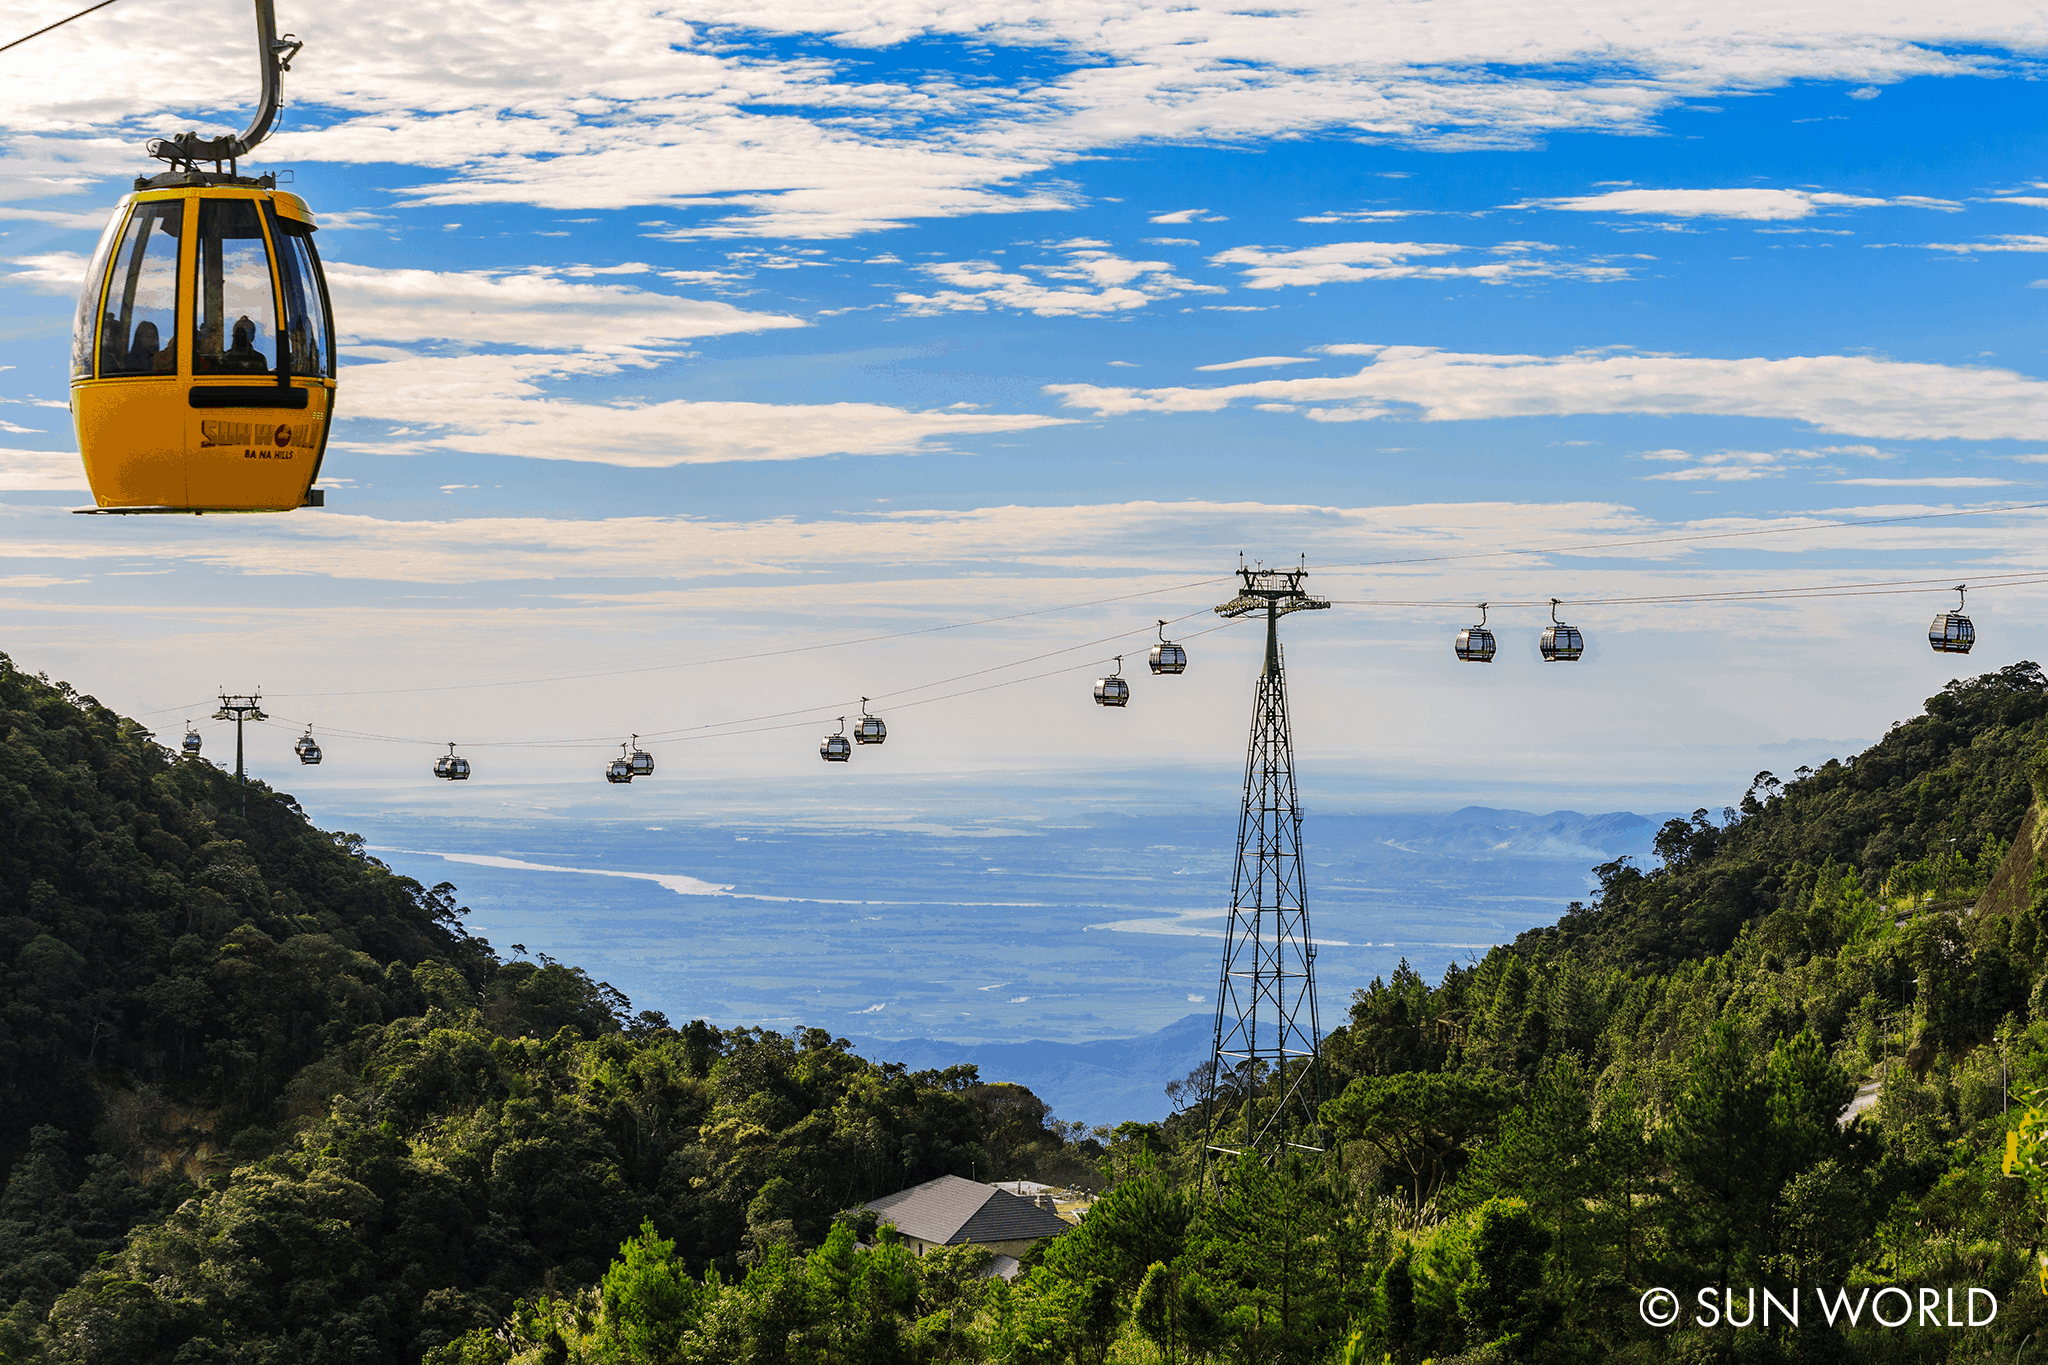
(1268,1041)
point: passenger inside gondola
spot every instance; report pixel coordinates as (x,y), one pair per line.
(143,350)
(234,283)
(138,324)
(243,357)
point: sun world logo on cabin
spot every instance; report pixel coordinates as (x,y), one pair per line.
(258,442)
(223,434)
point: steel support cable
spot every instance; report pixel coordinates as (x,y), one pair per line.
(1149,592)
(813,715)
(59,24)
(812,719)
(161,710)
(1738,595)
(1821,591)
(760,654)
(1685,539)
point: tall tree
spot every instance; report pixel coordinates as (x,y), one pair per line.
(1419,1122)
(1719,1144)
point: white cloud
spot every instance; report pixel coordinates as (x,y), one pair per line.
(1868,92)
(533,308)
(1179,216)
(496,405)
(2005,241)
(1347,262)
(1732,466)
(758,174)
(1360,216)
(1725,466)
(89,221)
(1924,483)
(1852,395)
(552,106)
(1757,205)
(1121,537)
(1089,282)
(1258,362)
(1045,555)
(48,272)
(39,167)
(41,471)
(500,404)
(348,220)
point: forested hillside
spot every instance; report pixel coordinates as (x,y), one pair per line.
(268,1102)
(1939,790)
(1649,1094)
(263,1100)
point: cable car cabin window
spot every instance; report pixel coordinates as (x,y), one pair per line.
(236,330)
(305,308)
(139,321)
(85,329)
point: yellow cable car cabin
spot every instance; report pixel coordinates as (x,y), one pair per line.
(202,370)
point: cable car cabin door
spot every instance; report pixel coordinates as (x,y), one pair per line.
(203,361)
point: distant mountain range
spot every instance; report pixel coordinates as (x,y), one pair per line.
(1105,1081)
(1494,833)
(1111,1079)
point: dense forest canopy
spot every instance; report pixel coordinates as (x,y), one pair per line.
(1948,782)
(244,1063)
(263,1100)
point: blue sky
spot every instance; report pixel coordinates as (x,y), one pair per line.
(676,336)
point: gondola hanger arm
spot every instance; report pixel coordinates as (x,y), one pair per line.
(274,55)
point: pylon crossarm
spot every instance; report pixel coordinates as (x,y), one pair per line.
(1241,605)
(1244,604)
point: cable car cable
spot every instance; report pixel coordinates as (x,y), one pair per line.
(1125,597)
(719,731)
(1886,588)
(722,728)
(161,710)
(1684,540)
(761,654)
(59,24)
(1757,594)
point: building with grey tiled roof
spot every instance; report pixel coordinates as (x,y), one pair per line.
(950,1212)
